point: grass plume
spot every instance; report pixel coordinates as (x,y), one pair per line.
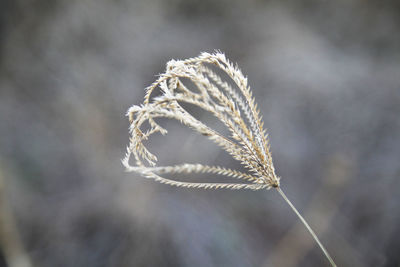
(231,102)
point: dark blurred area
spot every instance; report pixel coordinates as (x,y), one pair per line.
(326,76)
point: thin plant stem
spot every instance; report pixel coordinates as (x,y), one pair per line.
(307,226)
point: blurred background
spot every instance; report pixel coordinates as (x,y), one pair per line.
(326,76)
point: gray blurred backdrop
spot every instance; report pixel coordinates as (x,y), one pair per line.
(326,75)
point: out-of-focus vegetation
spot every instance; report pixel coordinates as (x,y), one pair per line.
(325,75)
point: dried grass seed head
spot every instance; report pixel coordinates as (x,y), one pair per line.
(229,100)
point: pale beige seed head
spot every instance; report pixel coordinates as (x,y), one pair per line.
(230,101)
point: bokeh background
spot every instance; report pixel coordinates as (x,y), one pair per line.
(326,75)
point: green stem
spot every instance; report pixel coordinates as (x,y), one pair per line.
(308,227)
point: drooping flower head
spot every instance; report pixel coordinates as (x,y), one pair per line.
(230,101)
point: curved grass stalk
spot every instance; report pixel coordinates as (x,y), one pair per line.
(307,226)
